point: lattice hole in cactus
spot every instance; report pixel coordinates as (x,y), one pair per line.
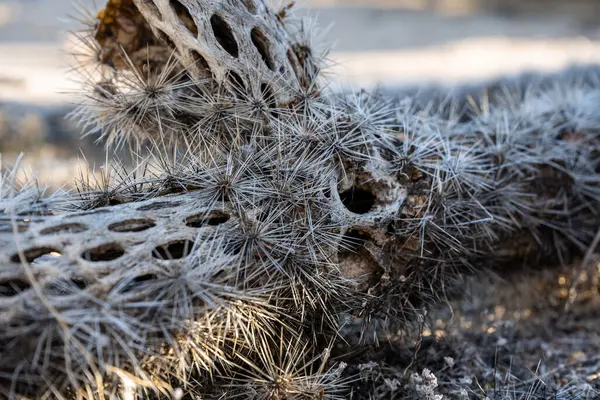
(213,218)
(139,281)
(64,228)
(352,242)
(166,39)
(174,250)
(185,17)
(37,254)
(358,201)
(201,63)
(268,95)
(80,283)
(250,5)
(111,201)
(9,228)
(132,225)
(13,287)
(224,35)
(105,252)
(236,82)
(160,205)
(262,44)
(66,286)
(293,60)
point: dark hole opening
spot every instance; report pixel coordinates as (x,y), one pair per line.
(268,95)
(13,287)
(62,287)
(293,60)
(166,39)
(173,250)
(202,64)
(185,17)
(224,35)
(260,41)
(37,254)
(9,228)
(114,201)
(212,218)
(358,201)
(105,252)
(131,225)
(390,228)
(303,55)
(235,248)
(352,243)
(80,283)
(139,281)
(64,228)
(250,5)
(145,278)
(236,81)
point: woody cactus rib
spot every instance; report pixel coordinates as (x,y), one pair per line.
(263,211)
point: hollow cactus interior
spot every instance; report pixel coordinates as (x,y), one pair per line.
(268,225)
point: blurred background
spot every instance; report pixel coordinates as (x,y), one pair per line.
(376,42)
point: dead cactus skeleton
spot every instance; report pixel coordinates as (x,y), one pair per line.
(262,211)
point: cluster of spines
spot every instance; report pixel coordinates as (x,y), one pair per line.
(521,172)
(215,316)
(470,185)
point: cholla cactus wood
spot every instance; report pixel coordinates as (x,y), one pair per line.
(262,211)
